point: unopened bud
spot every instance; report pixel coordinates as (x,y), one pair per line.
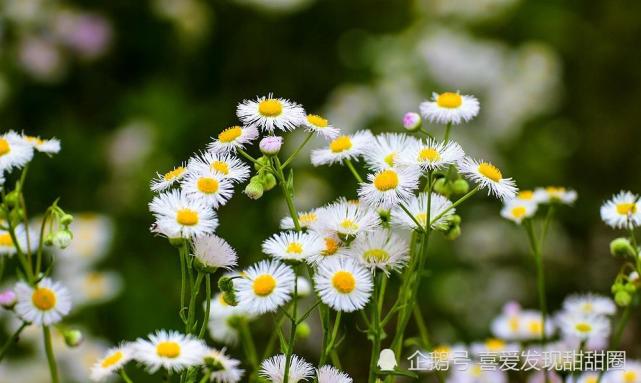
(11,199)
(441,187)
(62,238)
(8,299)
(622,298)
(254,190)
(73,338)
(230,298)
(66,219)
(269,181)
(412,121)
(453,233)
(460,187)
(226,284)
(621,247)
(303,330)
(270,145)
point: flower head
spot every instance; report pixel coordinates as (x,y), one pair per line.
(343,284)
(585,328)
(622,211)
(388,188)
(320,126)
(170,350)
(265,286)
(588,304)
(270,145)
(207,186)
(213,252)
(342,148)
(555,194)
(44,304)
(221,368)
(417,205)
(294,246)
(178,216)
(306,220)
(431,154)
(165,181)
(270,113)
(517,210)
(15,152)
(330,374)
(449,107)
(345,219)
(225,166)
(379,249)
(488,176)
(112,361)
(386,149)
(50,146)
(412,121)
(273,369)
(233,138)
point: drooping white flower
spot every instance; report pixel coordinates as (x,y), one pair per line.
(273,369)
(214,252)
(330,374)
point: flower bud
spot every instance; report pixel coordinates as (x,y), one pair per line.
(11,199)
(630,287)
(177,241)
(254,190)
(303,330)
(73,338)
(269,181)
(270,145)
(8,299)
(460,186)
(621,247)
(62,238)
(261,163)
(441,186)
(226,284)
(230,298)
(455,219)
(622,298)
(48,239)
(66,219)
(412,121)
(453,233)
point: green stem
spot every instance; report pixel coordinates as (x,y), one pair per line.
(183,284)
(419,226)
(351,167)
(375,328)
(203,327)
(192,302)
(41,241)
(455,204)
(540,276)
(12,340)
(51,358)
(292,333)
(293,156)
(248,344)
(124,376)
(287,193)
(422,328)
(247,156)
(618,332)
(446,138)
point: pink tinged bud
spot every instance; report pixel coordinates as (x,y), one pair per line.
(7,299)
(411,121)
(512,308)
(270,145)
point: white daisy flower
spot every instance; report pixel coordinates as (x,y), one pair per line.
(585,328)
(294,246)
(331,246)
(493,346)
(488,176)
(306,220)
(214,252)
(50,146)
(93,287)
(526,196)
(265,286)
(270,113)
(208,186)
(449,107)
(342,148)
(387,188)
(232,139)
(113,360)
(165,181)
(521,325)
(221,368)
(630,373)
(15,152)
(343,284)
(178,216)
(329,374)
(517,210)
(622,211)
(417,205)
(588,304)
(431,154)
(379,249)
(386,150)
(223,319)
(227,166)
(43,305)
(170,350)
(273,369)
(346,219)
(320,126)
(555,194)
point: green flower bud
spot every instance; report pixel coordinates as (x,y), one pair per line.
(16,216)
(261,163)
(616,287)
(455,219)
(11,199)
(48,241)
(303,330)
(66,219)
(622,247)
(177,242)
(73,338)
(460,186)
(622,298)
(254,190)
(441,186)
(62,238)
(630,288)
(213,364)
(453,233)
(385,215)
(230,298)
(269,181)
(226,284)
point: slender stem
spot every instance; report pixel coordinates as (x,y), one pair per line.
(41,241)
(293,156)
(419,226)
(447,132)
(351,167)
(618,332)
(337,324)
(309,311)
(51,358)
(203,327)
(287,193)
(192,302)
(375,328)
(455,204)
(183,284)
(12,340)
(124,376)
(422,328)
(248,343)
(292,333)
(247,156)
(540,276)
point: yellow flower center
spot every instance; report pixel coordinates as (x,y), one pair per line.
(270,107)
(168,349)
(386,180)
(490,171)
(476,371)
(429,154)
(340,144)
(441,352)
(587,307)
(519,212)
(449,100)
(295,247)
(4,147)
(207,185)
(591,379)
(187,217)
(344,282)
(555,190)
(389,159)
(494,344)
(583,327)
(331,246)
(112,359)
(230,134)
(317,121)
(5,240)
(220,167)
(376,255)
(514,324)
(307,218)
(626,208)
(264,285)
(34,140)
(421,218)
(629,377)
(348,224)
(43,298)
(172,175)
(535,327)
(526,195)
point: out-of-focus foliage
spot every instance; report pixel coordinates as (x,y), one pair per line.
(131,87)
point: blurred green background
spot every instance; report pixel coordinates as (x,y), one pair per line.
(139,86)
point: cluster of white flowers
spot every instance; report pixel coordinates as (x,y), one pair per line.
(527,202)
